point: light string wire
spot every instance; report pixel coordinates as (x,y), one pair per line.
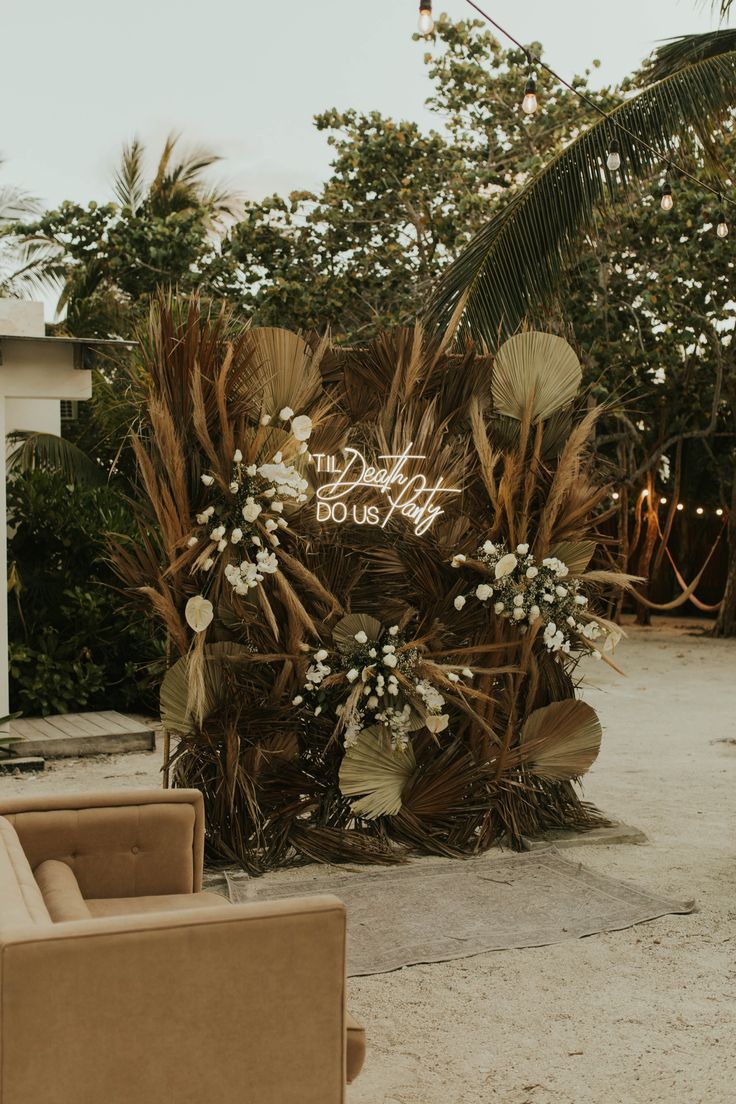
(667,161)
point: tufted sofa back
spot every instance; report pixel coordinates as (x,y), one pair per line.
(21,901)
(118,845)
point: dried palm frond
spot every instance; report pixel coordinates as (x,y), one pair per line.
(561,741)
(537,368)
(377,772)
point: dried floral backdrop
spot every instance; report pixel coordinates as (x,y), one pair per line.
(372,566)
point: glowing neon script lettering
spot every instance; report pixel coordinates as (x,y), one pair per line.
(411,496)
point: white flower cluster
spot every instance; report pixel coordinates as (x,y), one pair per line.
(250,514)
(373,665)
(525,592)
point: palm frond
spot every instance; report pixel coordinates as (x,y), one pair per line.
(561,741)
(46,450)
(514,265)
(129,182)
(534,368)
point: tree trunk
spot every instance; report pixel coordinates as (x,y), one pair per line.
(643,614)
(726,621)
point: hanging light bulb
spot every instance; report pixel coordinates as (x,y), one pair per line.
(680,506)
(721,225)
(663,501)
(530,104)
(667,202)
(614,156)
(426,22)
(615,496)
(699,511)
(719,512)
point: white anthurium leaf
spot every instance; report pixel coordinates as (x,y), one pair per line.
(576,554)
(348,627)
(535,367)
(376,772)
(199,613)
(561,741)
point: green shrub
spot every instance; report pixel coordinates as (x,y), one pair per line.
(74,643)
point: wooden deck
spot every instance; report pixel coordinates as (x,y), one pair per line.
(71,734)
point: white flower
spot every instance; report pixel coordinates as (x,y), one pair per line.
(270,525)
(198,613)
(256,540)
(192,541)
(237,456)
(534,613)
(265,419)
(453,676)
(437,722)
(388,648)
(499,607)
(207,563)
(372,653)
(297,700)
(234,487)
(532,572)
(390,660)
(522,549)
(352,674)
(320,655)
(560,591)
(301,428)
(489,548)
(457,560)
(286,413)
(459,602)
(282,523)
(278,457)
(277,507)
(519,614)
(581,600)
(318,710)
(505,565)
(467,673)
(519,600)
(361,637)
(251,510)
(372,701)
(218,533)
(251,470)
(221,545)
(208,480)
(394,630)
(302,449)
(483,592)
(267,562)
(236,536)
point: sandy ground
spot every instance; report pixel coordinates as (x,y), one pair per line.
(641,1016)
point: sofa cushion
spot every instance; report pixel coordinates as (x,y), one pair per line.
(356,1047)
(21,901)
(61,891)
(135,906)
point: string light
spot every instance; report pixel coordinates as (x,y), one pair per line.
(530,103)
(680,506)
(614,154)
(663,501)
(426,22)
(615,496)
(699,511)
(722,225)
(667,202)
(719,512)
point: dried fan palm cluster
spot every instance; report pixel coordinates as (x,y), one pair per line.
(372,569)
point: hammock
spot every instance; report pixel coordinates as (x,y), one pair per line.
(688,592)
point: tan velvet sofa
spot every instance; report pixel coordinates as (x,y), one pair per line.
(121,982)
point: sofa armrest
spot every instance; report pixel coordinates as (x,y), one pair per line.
(234,1004)
(119,844)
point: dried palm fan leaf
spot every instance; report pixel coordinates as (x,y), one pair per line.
(287,369)
(560,741)
(343,633)
(377,771)
(535,367)
(576,554)
(218,659)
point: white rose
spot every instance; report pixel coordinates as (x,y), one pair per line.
(251,510)
(457,560)
(519,600)
(236,536)
(198,613)
(483,592)
(361,637)
(352,674)
(277,506)
(459,602)
(297,700)
(301,427)
(221,545)
(467,673)
(560,591)
(506,565)
(251,469)
(218,533)
(208,480)
(285,413)
(265,419)
(390,660)
(320,655)
(499,607)
(453,677)
(237,456)
(207,564)
(519,614)
(522,549)
(489,548)
(270,525)
(394,630)
(532,572)
(234,487)
(534,613)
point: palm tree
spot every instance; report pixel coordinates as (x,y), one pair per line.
(515,265)
(19,275)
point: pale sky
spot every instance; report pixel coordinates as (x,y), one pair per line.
(245,77)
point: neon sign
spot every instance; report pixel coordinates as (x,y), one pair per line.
(398,491)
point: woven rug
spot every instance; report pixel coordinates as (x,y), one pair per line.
(434,910)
